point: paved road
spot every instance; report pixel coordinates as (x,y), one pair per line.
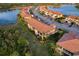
(59,25)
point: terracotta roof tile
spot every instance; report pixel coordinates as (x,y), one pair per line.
(44,8)
(54,12)
(70,42)
(73,17)
(41,27)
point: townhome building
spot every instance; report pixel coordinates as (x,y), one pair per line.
(74,19)
(55,14)
(69,44)
(52,14)
(39,28)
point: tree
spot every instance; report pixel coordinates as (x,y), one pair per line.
(15,53)
(30,11)
(28,54)
(22,41)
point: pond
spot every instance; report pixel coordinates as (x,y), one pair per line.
(8,17)
(66,10)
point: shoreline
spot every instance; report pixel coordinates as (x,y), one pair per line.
(8,26)
(7,10)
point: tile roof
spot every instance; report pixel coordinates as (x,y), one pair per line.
(55,12)
(41,27)
(44,8)
(73,17)
(70,42)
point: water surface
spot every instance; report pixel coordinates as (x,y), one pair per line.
(66,10)
(8,17)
